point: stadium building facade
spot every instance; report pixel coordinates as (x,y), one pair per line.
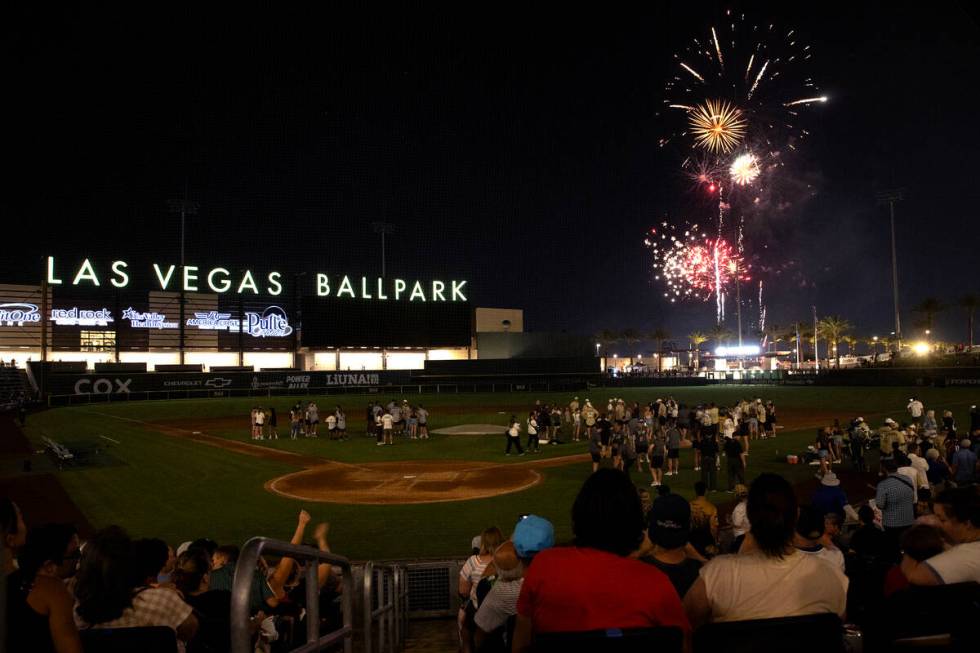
(172,318)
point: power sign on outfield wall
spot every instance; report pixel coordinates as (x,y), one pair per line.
(193,278)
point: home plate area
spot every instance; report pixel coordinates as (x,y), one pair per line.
(429,481)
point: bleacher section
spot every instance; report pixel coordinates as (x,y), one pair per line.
(13,384)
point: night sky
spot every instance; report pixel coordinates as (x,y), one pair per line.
(517,151)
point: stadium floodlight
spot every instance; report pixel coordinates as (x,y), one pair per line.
(743,350)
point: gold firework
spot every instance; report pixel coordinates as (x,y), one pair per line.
(718,126)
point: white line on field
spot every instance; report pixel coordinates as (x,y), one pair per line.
(110,439)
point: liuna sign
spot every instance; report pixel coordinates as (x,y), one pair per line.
(193,278)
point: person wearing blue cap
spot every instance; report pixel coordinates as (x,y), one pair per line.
(511,559)
(596,584)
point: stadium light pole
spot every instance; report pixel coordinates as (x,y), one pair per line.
(383,228)
(890,197)
(185,208)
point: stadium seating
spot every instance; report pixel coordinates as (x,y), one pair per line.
(941,618)
(155,639)
(662,640)
(819,633)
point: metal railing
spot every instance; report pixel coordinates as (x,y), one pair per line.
(241,641)
(385,607)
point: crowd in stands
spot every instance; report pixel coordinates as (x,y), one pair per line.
(634,567)
(60,589)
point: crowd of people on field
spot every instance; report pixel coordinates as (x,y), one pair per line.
(59,587)
(651,435)
(304,421)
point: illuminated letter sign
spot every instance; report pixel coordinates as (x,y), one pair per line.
(271,323)
(139,320)
(81,317)
(193,278)
(18,314)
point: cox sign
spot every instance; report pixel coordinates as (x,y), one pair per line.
(102,386)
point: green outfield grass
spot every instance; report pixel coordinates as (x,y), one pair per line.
(177,489)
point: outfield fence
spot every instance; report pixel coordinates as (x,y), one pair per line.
(413,389)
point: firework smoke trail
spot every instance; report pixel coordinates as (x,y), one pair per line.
(762,310)
(719,295)
(721,61)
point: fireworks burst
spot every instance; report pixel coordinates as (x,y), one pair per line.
(692,265)
(757,71)
(717,126)
(744,169)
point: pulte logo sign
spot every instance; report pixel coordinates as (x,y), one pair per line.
(193,278)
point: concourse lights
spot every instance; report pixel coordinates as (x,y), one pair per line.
(745,350)
(921,348)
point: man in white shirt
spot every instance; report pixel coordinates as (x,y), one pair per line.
(387,424)
(915,409)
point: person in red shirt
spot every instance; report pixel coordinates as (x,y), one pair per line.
(594,584)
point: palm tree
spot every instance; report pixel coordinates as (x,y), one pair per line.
(775,334)
(719,334)
(873,344)
(852,343)
(697,339)
(659,335)
(928,308)
(630,336)
(833,329)
(969,303)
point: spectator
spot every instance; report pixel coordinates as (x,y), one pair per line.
(810,529)
(868,543)
(958,510)
(704,522)
(740,519)
(150,558)
(769,578)
(109,596)
(736,458)
(532,535)
(964,464)
(39,606)
(939,472)
(919,543)
(709,461)
(831,532)
(829,497)
(669,527)
(14,531)
(469,576)
(594,584)
(212,608)
(895,497)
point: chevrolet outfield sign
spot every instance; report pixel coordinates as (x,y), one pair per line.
(193,278)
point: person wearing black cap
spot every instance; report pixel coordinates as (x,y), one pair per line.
(669,526)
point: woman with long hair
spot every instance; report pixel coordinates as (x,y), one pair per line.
(108,593)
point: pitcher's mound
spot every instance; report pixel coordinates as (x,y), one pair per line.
(429,481)
(473,429)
